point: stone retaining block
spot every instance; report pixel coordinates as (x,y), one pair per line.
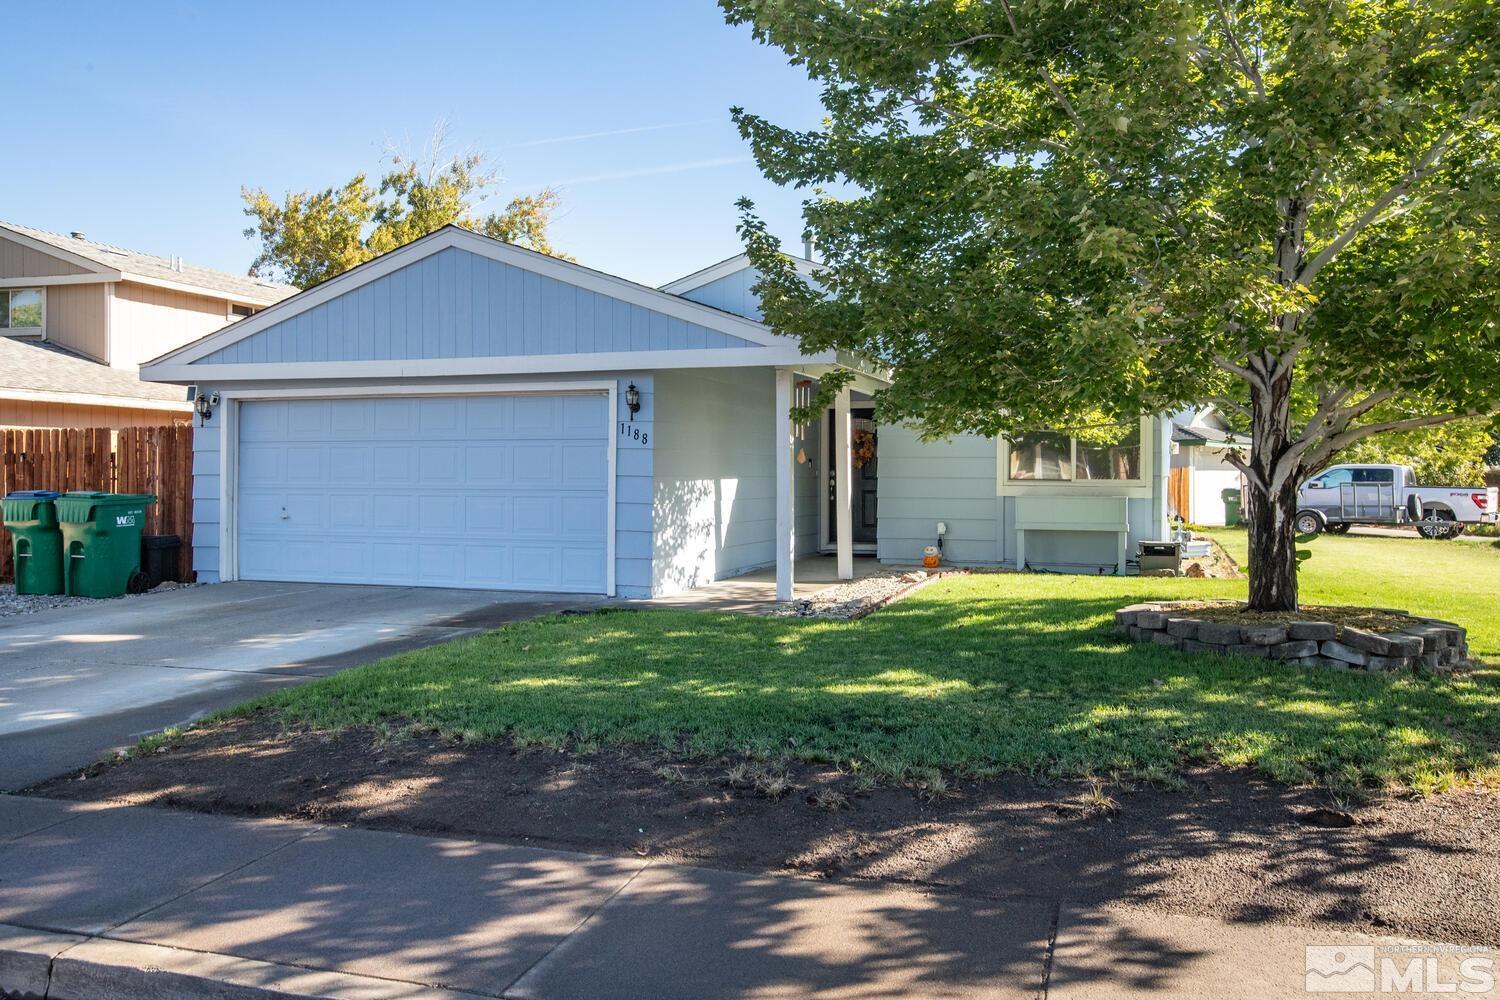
(1425,645)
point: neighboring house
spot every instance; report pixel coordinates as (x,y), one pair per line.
(78,318)
(462,412)
(1201,472)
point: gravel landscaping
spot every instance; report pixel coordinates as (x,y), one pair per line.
(12,603)
(857,598)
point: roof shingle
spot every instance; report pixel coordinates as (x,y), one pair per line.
(252,290)
(36,366)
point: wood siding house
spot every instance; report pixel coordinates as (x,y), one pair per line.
(78,318)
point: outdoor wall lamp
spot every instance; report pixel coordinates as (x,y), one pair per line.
(204,404)
(632,400)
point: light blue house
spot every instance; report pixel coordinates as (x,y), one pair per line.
(461,412)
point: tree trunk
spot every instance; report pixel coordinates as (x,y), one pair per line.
(1272,512)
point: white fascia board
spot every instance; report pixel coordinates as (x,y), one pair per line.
(724,268)
(93,278)
(199,290)
(525,364)
(453,236)
(42,246)
(95,399)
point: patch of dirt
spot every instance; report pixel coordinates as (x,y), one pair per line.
(1228,846)
(1370,619)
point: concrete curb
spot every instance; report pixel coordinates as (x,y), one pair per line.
(69,967)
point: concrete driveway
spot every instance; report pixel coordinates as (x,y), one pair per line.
(79,682)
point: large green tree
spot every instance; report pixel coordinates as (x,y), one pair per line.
(1056,213)
(310,236)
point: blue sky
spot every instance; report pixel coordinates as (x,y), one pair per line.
(144,119)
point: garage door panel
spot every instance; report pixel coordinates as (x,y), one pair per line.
(486,465)
(503,492)
(440,465)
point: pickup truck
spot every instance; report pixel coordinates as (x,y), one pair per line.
(1345,495)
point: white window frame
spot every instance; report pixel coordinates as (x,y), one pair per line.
(232,316)
(1140,487)
(25,331)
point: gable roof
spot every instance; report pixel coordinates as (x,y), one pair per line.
(33,369)
(118,263)
(744,337)
(728,266)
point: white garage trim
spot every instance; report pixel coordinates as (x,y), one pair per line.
(229,443)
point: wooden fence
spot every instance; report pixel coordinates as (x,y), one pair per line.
(157,460)
(1180,493)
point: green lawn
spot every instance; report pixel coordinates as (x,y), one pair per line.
(975,675)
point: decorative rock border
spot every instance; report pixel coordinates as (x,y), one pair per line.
(1427,645)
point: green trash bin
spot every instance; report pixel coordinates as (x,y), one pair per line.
(36,542)
(1231,508)
(101,535)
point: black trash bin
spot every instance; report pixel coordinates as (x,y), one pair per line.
(159,558)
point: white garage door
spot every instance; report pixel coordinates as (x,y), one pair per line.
(494,492)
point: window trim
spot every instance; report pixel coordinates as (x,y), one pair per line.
(25,331)
(1114,487)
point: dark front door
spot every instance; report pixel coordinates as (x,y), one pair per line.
(865,467)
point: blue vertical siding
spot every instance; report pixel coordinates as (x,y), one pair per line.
(731,293)
(457,304)
(634,476)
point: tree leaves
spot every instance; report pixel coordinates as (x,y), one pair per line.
(311,236)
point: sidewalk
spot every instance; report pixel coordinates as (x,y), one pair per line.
(103,902)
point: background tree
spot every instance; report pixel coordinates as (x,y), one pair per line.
(1446,455)
(1069,214)
(311,236)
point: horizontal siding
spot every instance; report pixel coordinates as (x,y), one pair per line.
(457,304)
(206,503)
(922,483)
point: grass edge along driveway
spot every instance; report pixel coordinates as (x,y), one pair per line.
(975,676)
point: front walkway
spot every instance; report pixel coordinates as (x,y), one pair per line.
(112,902)
(755,592)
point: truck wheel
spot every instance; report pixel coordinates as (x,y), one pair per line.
(1438,524)
(1308,524)
(1457,529)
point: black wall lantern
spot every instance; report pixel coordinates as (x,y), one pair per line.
(632,400)
(205,403)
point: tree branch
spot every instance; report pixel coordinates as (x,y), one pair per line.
(1246,66)
(1424,166)
(1057,93)
(1340,441)
(1254,378)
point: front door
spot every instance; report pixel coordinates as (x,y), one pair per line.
(865,467)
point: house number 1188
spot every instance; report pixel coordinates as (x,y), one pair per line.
(634,432)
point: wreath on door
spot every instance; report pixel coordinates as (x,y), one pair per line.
(863,448)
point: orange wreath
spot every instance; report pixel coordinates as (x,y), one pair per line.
(863,448)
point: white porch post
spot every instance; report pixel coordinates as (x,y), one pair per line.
(786,521)
(843,503)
